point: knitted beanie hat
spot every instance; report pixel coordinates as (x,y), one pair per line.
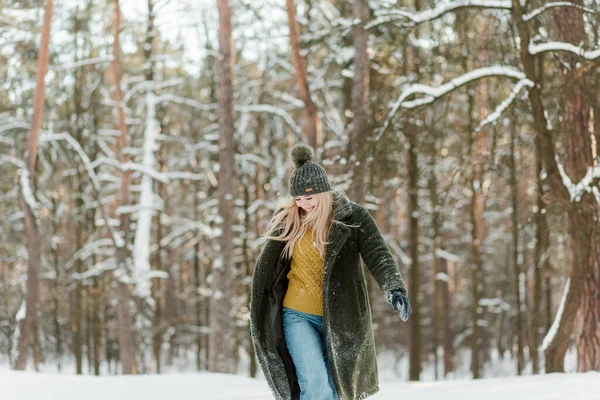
(308,177)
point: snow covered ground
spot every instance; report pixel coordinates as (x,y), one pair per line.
(204,386)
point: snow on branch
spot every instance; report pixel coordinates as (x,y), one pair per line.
(270,110)
(96,270)
(13,160)
(131,166)
(82,63)
(171,98)
(538,11)
(433,93)
(27,191)
(14,125)
(26,188)
(415,18)
(561,46)
(184,175)
(267,108)
(164,177)
(586,184)
(49,137)
(556,324)
(253,158)
(191,226)
(493,117)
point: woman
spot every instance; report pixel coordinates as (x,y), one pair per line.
(310,314)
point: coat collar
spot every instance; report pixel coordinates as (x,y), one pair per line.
(342,206)
(338,233)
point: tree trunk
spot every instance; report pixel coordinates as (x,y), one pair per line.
(143,230)
(414,286)
(557,347)
(577,145)
(221,341)
(442,306)
(311,124)
(360,105)
(587,338)
(541,263)
(446,310)
(580,152)
(159,264)
(477,238)
(437,262)
(27,201)
(126,342)
(515,249)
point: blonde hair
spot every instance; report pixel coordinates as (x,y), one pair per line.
(291,223)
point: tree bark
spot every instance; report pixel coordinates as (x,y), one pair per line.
(126,342)
(442,306)
(221,341)
(580,154)
(515,250)
(143,230)
(448,333)
(577,146)
(31,227)
(311,125)
(557,348)
(477,237)
(360,104)
(415,281)
(541,264)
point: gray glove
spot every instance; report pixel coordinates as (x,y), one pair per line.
(399,301)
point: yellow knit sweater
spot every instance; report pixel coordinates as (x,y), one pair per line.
(304,292)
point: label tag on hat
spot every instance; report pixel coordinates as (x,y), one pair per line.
(308,190)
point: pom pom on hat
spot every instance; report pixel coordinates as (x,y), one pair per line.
(309,177)
(302,153)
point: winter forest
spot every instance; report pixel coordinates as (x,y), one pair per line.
(144,147)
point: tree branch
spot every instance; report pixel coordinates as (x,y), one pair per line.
(538,11)
(415,18)
(493,117)
(433,93)
(561,46)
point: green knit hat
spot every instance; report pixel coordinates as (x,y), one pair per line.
(308,177)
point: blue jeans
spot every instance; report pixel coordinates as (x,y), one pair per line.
(305,340)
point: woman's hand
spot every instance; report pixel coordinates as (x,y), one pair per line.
(399,301)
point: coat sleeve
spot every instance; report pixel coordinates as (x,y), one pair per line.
(377,256)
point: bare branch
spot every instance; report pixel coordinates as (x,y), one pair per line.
(561,46)
(415,18)
(131,166)
(493,117)
(536,12)
(82,63)
(117,240)
(433,93)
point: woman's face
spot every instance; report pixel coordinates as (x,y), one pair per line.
(307,203)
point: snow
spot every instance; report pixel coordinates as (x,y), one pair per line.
(447,255)
(495,115)
(432,93)
(554,328)
(441,276)
(141,244)
(210,386)
(28,192)
(47,137)
(561,46)
(81,63)
(431,14)
(547,6)
(584,185)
